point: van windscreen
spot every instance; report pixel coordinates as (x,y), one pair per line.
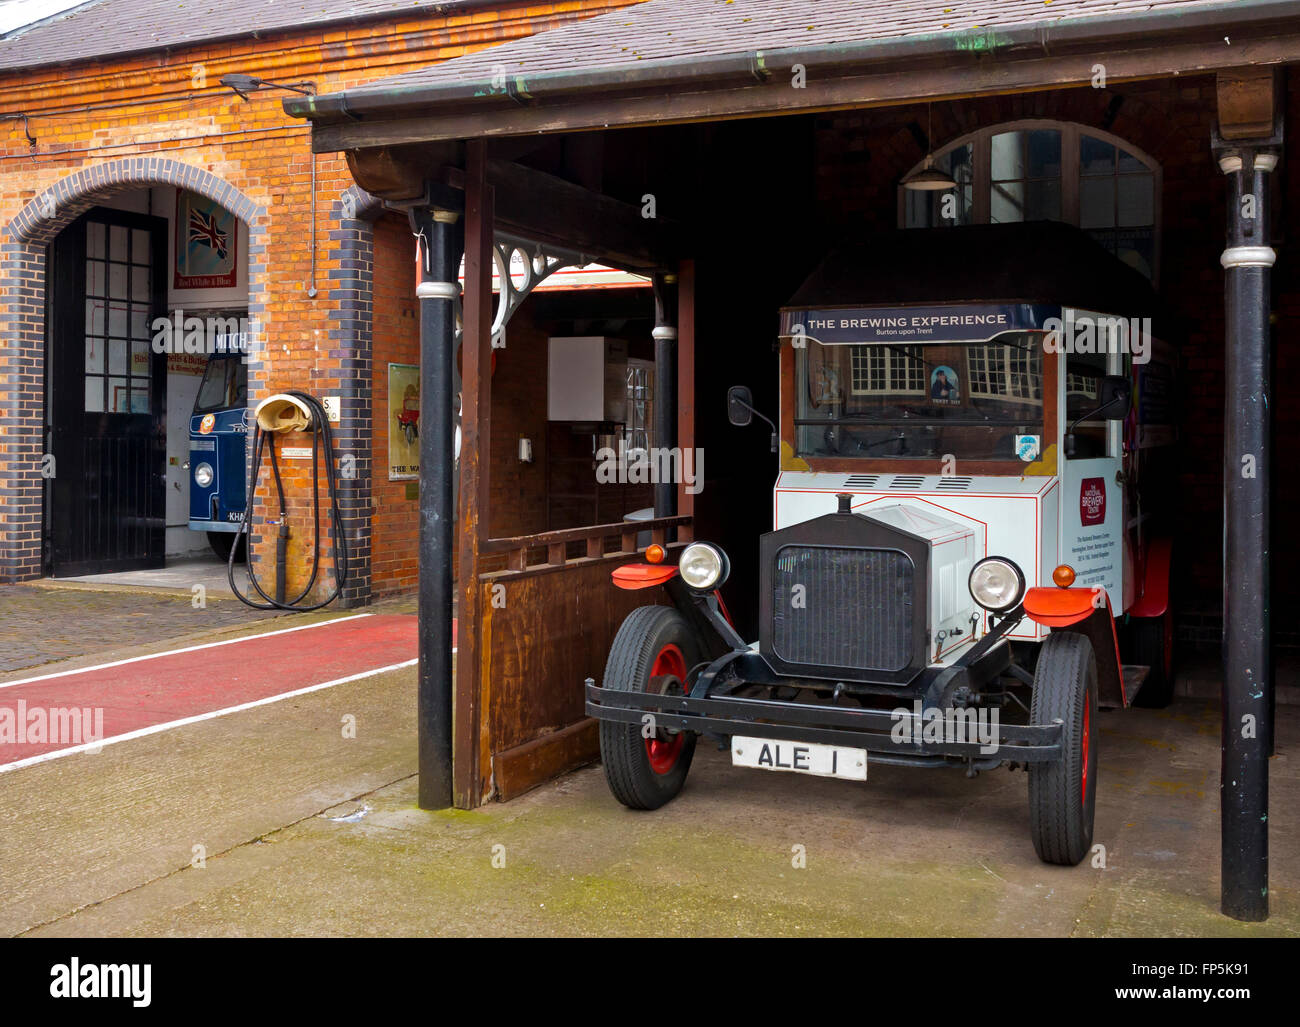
(968,400)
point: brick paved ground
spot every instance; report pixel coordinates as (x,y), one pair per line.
(40,625)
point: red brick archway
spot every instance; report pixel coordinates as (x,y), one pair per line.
(23,245)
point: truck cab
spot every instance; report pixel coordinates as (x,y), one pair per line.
(218,451)
(969,524)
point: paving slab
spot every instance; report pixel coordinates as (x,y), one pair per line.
(306,834)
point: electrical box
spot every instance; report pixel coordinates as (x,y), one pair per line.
(586,379)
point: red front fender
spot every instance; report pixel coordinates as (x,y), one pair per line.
(1087,612)
(632,576)
(1060,607)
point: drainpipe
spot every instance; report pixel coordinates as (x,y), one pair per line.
(440,238)
(1247,715)
(665,396)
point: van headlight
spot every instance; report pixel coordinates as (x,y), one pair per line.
(203,475)
(997,584)
(703,567)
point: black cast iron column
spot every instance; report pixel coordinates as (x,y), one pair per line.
(441,241)
(1247,716)
(665,397)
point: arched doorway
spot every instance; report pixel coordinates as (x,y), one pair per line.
(101,439)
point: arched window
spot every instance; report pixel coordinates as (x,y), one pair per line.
(1048,171)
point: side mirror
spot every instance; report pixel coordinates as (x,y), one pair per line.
(1116,396)
(740,412)
(740,404)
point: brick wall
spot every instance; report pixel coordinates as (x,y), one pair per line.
(518,490)
(168,109)
(395,518)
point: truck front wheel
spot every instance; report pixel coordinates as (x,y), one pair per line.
(654,651)
(1063,794)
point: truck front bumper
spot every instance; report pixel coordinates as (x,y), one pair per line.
(900,733)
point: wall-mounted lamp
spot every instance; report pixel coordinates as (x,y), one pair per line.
(245,84)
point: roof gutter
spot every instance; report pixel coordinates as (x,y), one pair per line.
(696,74)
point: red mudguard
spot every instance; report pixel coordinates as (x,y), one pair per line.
(632,576)
(1087,612)
(1155,580)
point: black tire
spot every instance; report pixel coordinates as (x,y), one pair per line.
(646,773)
(1062,797)
(1151,645)
(221,541)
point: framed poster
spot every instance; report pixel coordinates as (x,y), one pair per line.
(207,243)
(403,421)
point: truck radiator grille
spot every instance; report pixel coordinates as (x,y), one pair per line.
(856,607)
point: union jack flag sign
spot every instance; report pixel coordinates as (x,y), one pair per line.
(207,237)
(204,231)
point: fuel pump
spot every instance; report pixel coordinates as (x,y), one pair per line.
(277,415)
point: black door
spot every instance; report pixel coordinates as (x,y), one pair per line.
(106,395)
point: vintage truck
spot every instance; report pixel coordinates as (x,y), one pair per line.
(971,524)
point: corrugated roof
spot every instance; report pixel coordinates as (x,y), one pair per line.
(675,29)
(103,28)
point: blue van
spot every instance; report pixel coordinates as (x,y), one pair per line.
(219,429)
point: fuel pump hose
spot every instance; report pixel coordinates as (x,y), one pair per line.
(322,439)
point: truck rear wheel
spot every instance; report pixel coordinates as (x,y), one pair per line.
(1063,795)
(654,651)
(1152,645)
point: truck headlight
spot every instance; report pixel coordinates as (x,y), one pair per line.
(203,475)
(703,567)
(997,584)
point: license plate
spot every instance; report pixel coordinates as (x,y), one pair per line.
(800,757)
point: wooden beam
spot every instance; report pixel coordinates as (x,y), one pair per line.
(469,744)
(533,204)
(959,74)
(1247,102)
(551,210)
(526,766)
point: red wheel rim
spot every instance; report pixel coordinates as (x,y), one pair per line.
(663,752)
(1087,730)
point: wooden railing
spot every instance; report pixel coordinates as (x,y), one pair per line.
(576,545)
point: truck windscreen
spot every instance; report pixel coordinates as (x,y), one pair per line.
(968,400)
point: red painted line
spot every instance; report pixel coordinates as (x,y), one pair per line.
(135,695)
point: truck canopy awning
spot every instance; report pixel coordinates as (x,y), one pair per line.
(1042,262)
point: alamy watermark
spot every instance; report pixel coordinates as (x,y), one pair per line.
(182,333)
(62,725)
(1086,333)
(653,466)
(968,725)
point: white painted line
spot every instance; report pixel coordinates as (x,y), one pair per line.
(174,652)
(154,729)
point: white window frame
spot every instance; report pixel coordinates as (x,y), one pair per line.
(890,358)
(1009,352)
(981,145)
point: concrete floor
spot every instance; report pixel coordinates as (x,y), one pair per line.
(270,822)
(180,574)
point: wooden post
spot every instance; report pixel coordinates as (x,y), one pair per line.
(475,426)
